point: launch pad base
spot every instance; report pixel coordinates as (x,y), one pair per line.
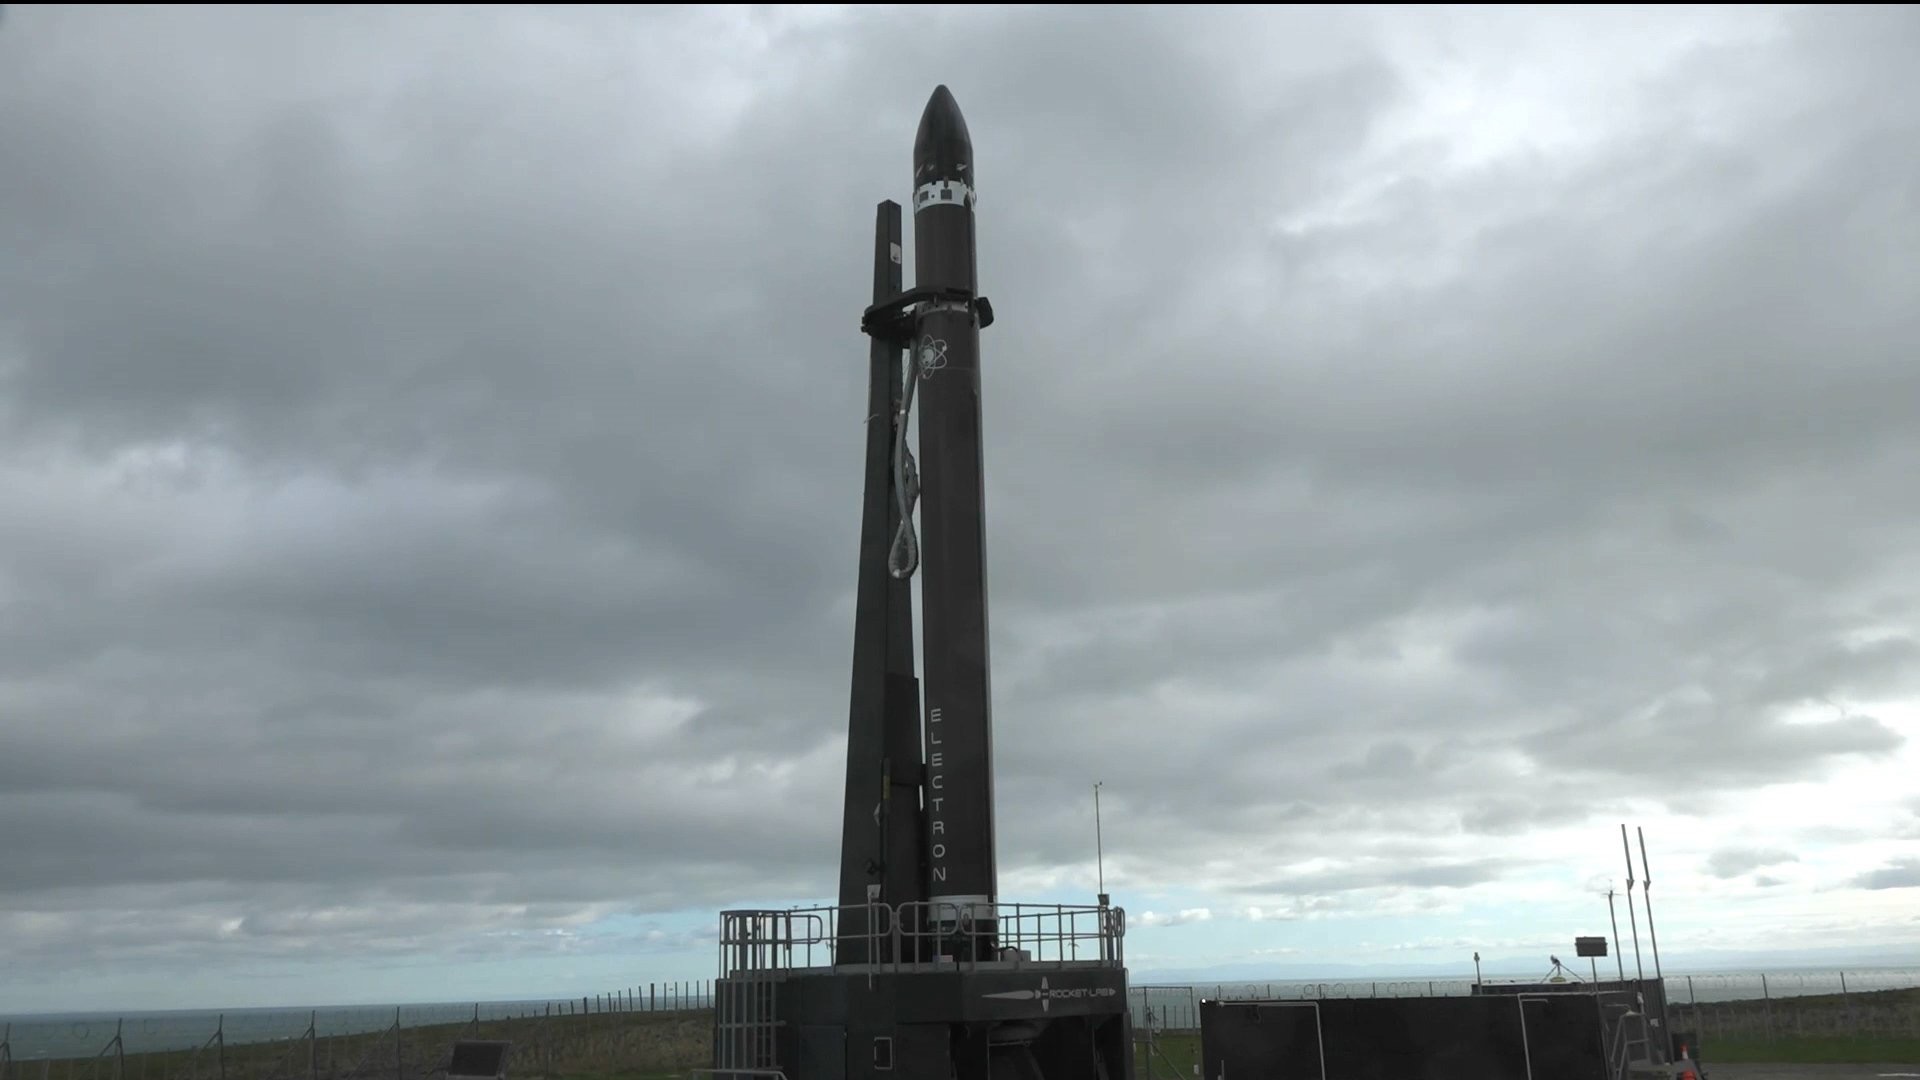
(1021,1016)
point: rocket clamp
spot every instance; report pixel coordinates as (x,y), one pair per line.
(893,320)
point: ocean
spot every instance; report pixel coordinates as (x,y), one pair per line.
(33,1036)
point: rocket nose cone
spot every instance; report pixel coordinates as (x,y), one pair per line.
(942,150)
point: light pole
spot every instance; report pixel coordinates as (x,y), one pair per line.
(1619,960)
(1099,845)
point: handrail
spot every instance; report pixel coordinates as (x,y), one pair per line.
(756,941)
(1620,1036)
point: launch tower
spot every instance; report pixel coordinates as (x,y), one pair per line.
(921,972)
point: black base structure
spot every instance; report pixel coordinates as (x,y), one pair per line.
(921,972)
(1521,1037)
(1554,1028)
(1629,1011)
(1026,1017)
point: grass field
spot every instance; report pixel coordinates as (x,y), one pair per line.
(1845,1018)
(1828,1050)
(597,1046)
(1173,1053)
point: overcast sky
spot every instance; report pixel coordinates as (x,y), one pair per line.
(1417,442)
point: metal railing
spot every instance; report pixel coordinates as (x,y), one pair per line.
(746,1026)
(753,941)
(769,940)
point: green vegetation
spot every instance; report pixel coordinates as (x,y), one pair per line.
(1826,1024)
(1812,1050)
(1174,1054)
(592,1046)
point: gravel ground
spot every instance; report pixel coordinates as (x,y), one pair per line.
(1809,1072)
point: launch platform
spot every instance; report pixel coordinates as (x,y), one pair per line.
(1052,1003)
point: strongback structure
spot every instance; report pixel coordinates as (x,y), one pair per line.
(921,972)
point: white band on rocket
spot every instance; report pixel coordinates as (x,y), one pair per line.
(943,193)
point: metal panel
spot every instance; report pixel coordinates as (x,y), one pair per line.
(823,1051)
(1488,1038)
(1564,1038)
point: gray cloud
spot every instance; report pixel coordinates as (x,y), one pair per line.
(1901,873)
(1172,918)
(1387,874)
(432,455)
(1733,862)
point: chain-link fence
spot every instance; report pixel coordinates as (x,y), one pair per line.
(665,1027)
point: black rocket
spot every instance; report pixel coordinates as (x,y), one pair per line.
(945,357)
(932,975)
(927,840)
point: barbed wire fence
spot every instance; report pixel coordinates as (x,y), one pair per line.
(666,1027)
(647,1028)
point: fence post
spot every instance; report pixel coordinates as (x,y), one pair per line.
(1148,1008)
(1853,1026)
(399,1056)
(313,1047)
(1767,995)
(220,1045)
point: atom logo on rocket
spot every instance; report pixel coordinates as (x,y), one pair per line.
(933,355)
